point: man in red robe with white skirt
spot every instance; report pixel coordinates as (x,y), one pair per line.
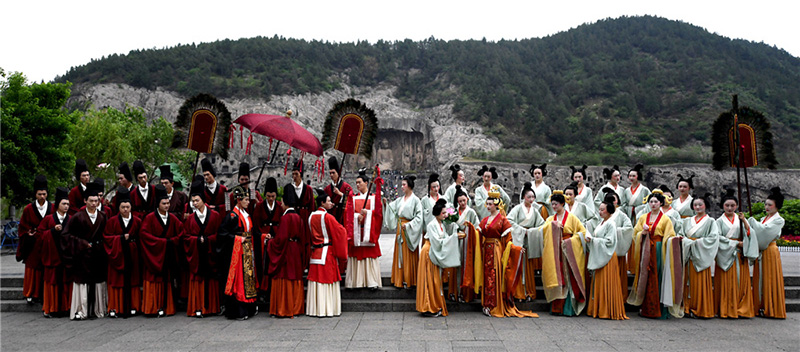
(328,244)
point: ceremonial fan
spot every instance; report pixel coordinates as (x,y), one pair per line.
(741,139)
(197,125)
(351,128)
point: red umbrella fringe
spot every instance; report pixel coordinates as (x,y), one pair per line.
(288,156)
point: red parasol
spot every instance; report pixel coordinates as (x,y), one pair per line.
(282,128)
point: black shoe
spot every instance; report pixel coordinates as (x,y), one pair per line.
(221,311)
(29,300)
(134,312)
(112,314)
(198,314)
(46,315)
(161,313)
(242,318)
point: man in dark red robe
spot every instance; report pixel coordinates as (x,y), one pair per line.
(104,206)
(76,196)
(82,249)
(235,247)
(122,247)
(215,192)
(298,195)
(125,180)
(177,199)
(286,252)
(159,237)
(199,240)
(338,191)
(143,199)
(30,242)
(57,286)
(266,218)
(244,181)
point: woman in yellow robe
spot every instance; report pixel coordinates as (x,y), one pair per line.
(657,286)
(563,259)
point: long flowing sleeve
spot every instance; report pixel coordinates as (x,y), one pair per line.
(413,212)
(624,234)
(603,245)
(766,232)
(390,215)
(444,251)
(703,249)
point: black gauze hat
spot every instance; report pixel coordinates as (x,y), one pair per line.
(271,185)
(80,167)
(123,195)
(206,166)
(166,173)
(244,169)
(125,171)
(138,168)
(40,183)
(333,164)
(161,193)
(198,189)
(61,193)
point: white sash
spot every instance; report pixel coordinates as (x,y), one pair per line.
(325,240)
(697,225)
(366,231)
(734,228)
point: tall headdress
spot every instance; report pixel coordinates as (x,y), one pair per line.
(244,169)
(166,173)
(608,172)
(201,125)
(454,169)
(206,165)
(138,168)
(125,170)
(40,183)
(80,167)
(542,167)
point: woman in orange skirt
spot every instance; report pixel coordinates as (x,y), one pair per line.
(605,300)
(733,296)
(700,243)
(405,215)
(768,289)
(440,250)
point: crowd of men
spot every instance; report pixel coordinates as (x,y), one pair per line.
(154,250)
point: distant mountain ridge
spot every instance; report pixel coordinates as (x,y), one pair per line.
(606,92)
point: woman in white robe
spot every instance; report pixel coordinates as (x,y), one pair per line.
(459,178)
(466,215)
(605,297)
(430,200)
(405,215)
(439,251)
(613,176)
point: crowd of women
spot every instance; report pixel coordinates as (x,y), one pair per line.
(584,246)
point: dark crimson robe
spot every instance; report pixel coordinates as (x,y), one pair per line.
(54,272)
(86,264)
(159,245)
(76,201)
(339,204)
(141,207)
(287,248)
(201,257)
(265,221)
(177,204)
(123,255)
(303,205)
(327,246)
(216,200)
(30,247)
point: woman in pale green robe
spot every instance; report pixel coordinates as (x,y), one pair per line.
(700,243)
(605,297)
(733,296)
(459,178)
(768,287)
(542,190)
(579,209)
(683,203)
(465,215)
(482,192)
(583,193)
(633,198)
(624,238)
(524,219)
(430,200)
(613,177)
(405,215)
(439,251)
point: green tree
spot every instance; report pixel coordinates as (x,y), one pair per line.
(105,138)
(35,129)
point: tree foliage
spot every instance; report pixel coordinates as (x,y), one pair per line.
(35,130)
(108,137)
(653,80)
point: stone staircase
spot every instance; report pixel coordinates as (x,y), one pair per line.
(384,299)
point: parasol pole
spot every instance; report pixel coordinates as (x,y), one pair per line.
(341,177)
(737,155)
(194,168)
(269,161)
(747,187)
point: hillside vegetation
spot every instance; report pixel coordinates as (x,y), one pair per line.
(598,93)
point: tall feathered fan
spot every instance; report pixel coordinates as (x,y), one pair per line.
(202,125)
(350,127)
(754,139)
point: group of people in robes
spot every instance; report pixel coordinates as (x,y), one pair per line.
(154,249)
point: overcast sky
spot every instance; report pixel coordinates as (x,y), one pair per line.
(43,39)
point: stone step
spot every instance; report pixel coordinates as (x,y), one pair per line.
(11,281)
(11,293)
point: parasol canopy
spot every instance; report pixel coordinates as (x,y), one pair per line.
(282,128)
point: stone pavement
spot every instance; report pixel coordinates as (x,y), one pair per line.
(409,331)
(395,332)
